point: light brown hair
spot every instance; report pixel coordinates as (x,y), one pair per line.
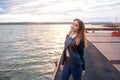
(80,32)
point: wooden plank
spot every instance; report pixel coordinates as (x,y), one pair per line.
(56,72)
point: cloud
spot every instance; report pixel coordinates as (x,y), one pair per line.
(60,10)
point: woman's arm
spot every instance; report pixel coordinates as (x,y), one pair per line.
(63,53)
(63,57)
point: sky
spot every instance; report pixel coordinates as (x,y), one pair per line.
(59,10)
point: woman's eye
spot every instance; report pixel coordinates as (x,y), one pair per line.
(76,25)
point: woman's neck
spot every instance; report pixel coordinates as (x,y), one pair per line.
(72,33)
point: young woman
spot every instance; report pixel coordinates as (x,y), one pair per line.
(74,44)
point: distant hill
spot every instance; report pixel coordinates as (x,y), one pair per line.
(112,24)
(19,23)
(14,23)
(99,23)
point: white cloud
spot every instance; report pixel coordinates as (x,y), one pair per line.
(1,10)
(60,10)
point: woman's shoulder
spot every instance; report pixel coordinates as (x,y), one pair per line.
(67,35)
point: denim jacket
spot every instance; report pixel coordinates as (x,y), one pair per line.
(75,48)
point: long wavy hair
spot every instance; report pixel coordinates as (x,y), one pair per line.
(80,32)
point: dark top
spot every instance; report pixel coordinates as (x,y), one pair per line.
(80,49)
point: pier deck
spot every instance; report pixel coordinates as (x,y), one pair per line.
(102,58)
(108,46)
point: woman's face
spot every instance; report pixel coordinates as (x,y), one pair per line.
(74,26)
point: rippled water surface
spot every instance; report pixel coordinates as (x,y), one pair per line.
(27,52)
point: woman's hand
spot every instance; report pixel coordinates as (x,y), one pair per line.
(61,67)
(83,72)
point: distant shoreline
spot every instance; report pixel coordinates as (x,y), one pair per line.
(38,23)
(30,23)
